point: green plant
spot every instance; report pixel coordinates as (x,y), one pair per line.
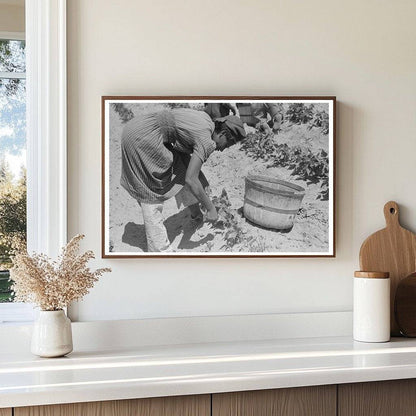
(12,214)
(6,294)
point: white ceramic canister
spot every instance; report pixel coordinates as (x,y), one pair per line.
(371,313)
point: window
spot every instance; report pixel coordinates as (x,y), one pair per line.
(45,27)
(12,153)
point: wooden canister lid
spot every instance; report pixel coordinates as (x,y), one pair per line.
(372,275)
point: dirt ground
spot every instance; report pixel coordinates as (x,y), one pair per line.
(224,170)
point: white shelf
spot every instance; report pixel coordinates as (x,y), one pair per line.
(150,371)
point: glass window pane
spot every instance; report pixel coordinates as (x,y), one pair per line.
(12,56)
(12,116)
(12,175)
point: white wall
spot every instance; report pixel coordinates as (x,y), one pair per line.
(12,18)
(361,51)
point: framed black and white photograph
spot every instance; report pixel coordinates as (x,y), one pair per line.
(218,176)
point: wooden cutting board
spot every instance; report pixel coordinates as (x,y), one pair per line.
(393,250)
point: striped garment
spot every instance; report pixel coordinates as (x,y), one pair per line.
(156,149)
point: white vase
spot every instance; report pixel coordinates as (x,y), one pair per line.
(52,334)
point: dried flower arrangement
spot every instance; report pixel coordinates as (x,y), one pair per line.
(53,285)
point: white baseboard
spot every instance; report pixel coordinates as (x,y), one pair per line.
(169,331)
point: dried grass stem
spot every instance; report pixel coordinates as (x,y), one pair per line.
(53,285)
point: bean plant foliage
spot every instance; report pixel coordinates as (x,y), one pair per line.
(320,120)
(228,220)
(303,163)
(230,225)
(299,113)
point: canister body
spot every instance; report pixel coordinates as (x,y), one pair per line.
(371,313)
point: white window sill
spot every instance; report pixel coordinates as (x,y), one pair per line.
(16,313)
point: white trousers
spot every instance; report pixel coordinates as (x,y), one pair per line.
(156,233)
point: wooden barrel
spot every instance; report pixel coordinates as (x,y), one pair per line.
(271,202)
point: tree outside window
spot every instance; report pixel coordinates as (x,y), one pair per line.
(12,156)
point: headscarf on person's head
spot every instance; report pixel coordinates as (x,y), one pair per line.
(234,125)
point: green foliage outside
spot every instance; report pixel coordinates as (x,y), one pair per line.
(12,143)
(12,223)
(12,98)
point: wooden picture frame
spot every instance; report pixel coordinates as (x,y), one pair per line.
(292,146)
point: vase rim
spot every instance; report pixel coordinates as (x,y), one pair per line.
(57,310)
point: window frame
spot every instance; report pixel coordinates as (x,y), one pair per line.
(46,137)
(12,35)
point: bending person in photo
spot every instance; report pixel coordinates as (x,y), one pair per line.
(218,110)
(265,117)
(162,156)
